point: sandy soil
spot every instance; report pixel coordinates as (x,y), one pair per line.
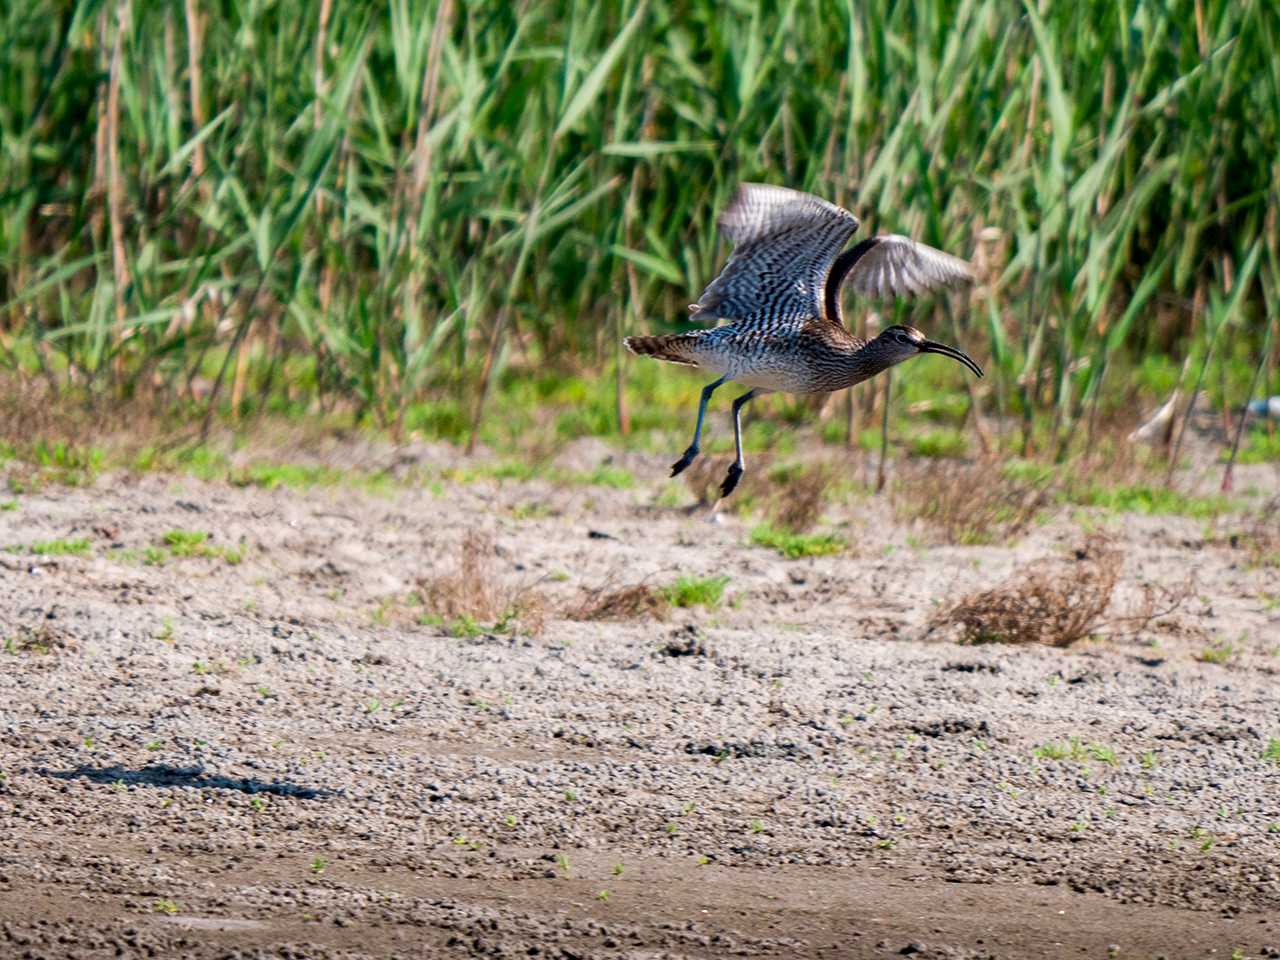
(274,758)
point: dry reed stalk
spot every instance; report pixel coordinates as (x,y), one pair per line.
(115,179)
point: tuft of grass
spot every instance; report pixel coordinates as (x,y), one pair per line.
(187,543)
(632,602)
(1261,446)
(1140,498)
(1076,750)
(977,503)
(59,548)
(696,591)
(1272,752)
(472,592)
(1057,602)
(800,496)
(940,444)
(793,546)
(1219,653)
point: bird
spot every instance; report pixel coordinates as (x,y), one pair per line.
(1267,407)
(779,295)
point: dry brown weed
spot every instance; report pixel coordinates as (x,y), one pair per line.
(1258,533)
(976,503)
(1056,602)
(607,602)
(800,497)
(474,590)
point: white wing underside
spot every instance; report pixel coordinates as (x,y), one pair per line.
(784,243)
(897,266)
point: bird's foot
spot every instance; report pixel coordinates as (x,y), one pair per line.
(689,456)
(731,480)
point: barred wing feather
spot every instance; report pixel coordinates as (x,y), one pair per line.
(784,244)
(897,266)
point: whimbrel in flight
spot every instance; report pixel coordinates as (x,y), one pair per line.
(780,293)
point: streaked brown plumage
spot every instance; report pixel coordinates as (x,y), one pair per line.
(780,292)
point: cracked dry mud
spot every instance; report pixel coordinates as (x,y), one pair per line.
(275,758)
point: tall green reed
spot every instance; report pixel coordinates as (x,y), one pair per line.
(363,205)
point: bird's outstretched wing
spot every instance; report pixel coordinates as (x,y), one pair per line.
(784,243)
(897,266)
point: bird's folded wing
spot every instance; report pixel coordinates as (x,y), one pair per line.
(784,243)
(897,266)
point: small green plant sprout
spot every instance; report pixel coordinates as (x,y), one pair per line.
(200,668)
(1149,760)
(562,861)
(88,743)
(603,896)
(257,803)
(373,706)
(696,592)
(1219,653)
(673,827)
(318,864)
(794,546)
(886,844)
(119,786)
(618,868)
(61,548)
(165,633)
(510,820)
(167,907)
(264,691)
(1078,826)
(757,826)
(187,543)
(688,808)
(153,745)
(1103,753)
(571,795)
(703,860)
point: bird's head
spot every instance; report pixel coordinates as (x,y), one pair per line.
(900,342)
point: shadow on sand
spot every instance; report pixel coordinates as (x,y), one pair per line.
(163,775)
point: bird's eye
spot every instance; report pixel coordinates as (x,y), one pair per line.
(900,336)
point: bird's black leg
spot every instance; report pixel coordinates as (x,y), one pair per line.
(737,468)
(692,452)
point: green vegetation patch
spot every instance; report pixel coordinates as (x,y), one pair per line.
(796,545)
(78,547)
(1140,498)
(696,591)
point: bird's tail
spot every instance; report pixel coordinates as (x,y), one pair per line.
(674,347)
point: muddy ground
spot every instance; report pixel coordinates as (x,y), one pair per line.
(275,757)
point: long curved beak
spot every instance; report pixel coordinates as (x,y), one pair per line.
(932,346)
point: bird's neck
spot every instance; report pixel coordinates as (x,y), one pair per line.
(836,277)
(848,359)
(863,363)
